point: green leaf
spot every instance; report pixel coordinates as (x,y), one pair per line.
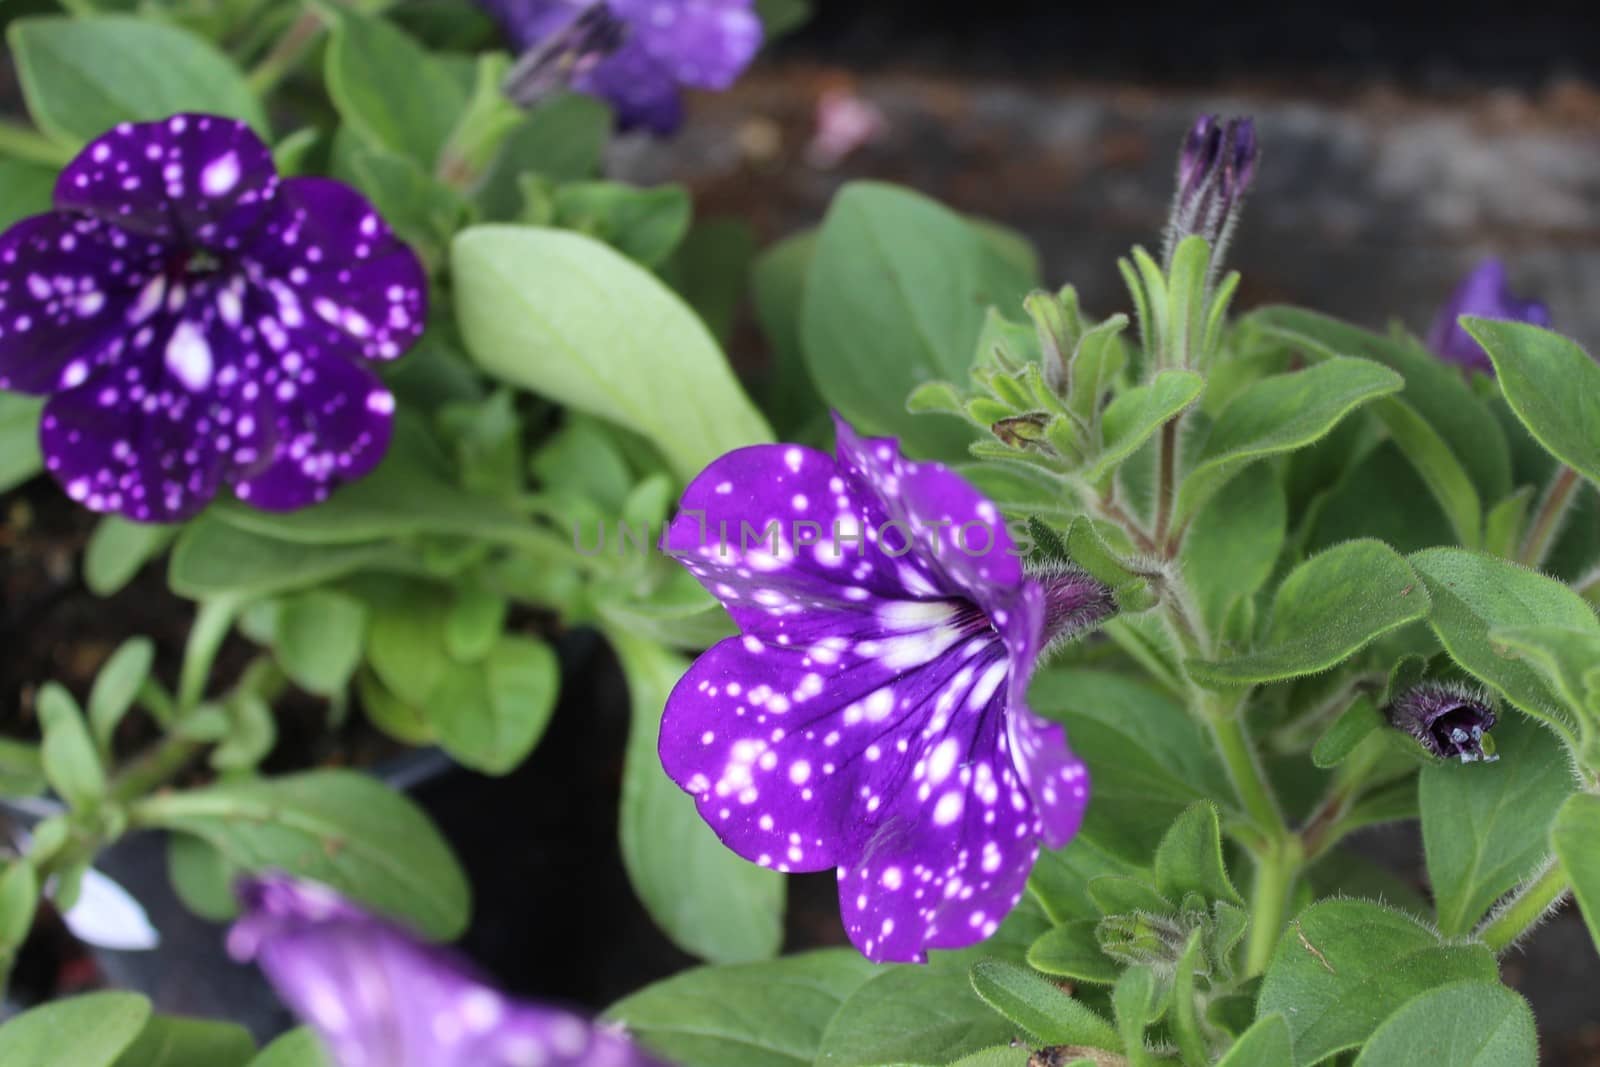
(21,769)
(1551,384)
(19,901)
(423,211)
(20,458)
(1189,859)
(344,829)
(1475,594)
(1061,876)
(896,296)
(1353,726)
(477,619)
(70,761)
(83,76)
(85,1031)
(1431,456)
(778,285)
(1344,964)
(25,189)
(1136,414)
(1266,1044)
(297,1048)
(562,139)
(565,316)
(1072,950)
(490,715)
(1151,759)
(1329,607)
(119,549)
(1089,550)
(320,634)
(388,88)
(1435,389)
(1573,835)
(1233,543)
(117,686)
(912,1017)
(1133,999)
(1049,1015)
(213,557)
(1383,497)
(711,270)
(1486,826)
(172,1042)
(769,1014)
(707,899)
(644,224)
(1468,1024)
(1279,414)
(201,878)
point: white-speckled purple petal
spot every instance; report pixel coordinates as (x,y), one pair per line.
(528,22)
(202,180)
(379,997)
(340,282)
(331,422)
(702,43)
(642,91)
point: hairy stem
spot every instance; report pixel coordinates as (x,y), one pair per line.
(1166,487)
(1547,520)
(1244,769)
(1526,909)
(1276,873)
(287,53)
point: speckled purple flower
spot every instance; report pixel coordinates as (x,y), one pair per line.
(1485,292)
(379,997)
(197,321)
(664,46)
(1450,721)
(871,715)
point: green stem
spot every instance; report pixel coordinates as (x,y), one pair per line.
(155,768)
(211,626)
(1525,909)
(1276,872)
(287,53)
(24,142)
(1166,487)
(1547,521)
(1244,769)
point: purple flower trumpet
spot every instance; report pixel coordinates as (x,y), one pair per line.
(1450,721)
(1486,293)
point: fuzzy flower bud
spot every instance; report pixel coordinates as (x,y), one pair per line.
(1450,721)
(1215,170)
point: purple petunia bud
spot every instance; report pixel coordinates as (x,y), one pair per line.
(1215,170)
(1486,293)
(559,60)
(1450,721)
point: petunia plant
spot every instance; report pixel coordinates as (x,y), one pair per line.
(1076,644)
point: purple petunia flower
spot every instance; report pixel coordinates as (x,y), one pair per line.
(379,997)
(871,715)
(1485,292)
(663,45)
(197,321)
(1450,721)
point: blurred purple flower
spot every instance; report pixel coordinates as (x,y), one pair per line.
(197,321)
(378,996)
(641,66)
(1450,721)
(1215,170)
(1486,293)
(871,715)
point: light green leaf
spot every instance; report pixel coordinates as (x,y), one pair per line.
(769,1014)
(1279,414)
(1136,414)
(644,224)
(1343,966)
(297,1048)
(1552,385)
(119,549)
(201,878)
(490,715)
(1266,1044)
(912,1017)
(1072,950)
(707,899)
(561,139)
(896,296)
(213,557)
(778,285)
(25,189)
(83,76)
(1439,468)
(320,634)
(1041,1008)
(1468,1024)
(1345,734)
(1329,607)
(1189,859)
(173,1042)
(86,1031)
(19,901)
(1233,543)
(1061,876)
(20,458)
(344,829)
(389,89)
(1572,835)
(1475,594)
(70,760)
(1486,826)
(565,316)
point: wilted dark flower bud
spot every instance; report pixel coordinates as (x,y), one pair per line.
(1022,431)
(1215,169)
(554,63)
(1451,721)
